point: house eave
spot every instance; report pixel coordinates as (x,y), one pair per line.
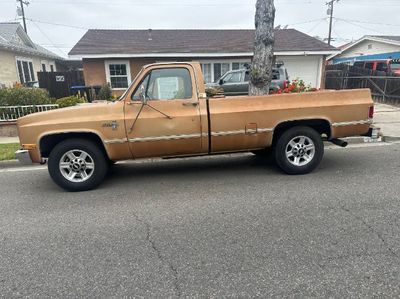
(28,52)
(199,55)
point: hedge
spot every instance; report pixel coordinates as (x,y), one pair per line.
(22,96)
(69,101)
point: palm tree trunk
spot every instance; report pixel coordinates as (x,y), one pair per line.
(261,67)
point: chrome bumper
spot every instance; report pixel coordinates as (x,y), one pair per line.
(23,157)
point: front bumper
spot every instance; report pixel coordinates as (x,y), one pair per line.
(24,157)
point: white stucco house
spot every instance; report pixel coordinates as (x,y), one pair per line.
(369,47)
(218,51)
(20,58)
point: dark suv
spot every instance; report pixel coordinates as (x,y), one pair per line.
(235,83)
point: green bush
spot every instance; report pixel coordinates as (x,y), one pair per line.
(69,101)
(21,96)
(105,93)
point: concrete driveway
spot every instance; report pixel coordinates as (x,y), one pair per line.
(209,227)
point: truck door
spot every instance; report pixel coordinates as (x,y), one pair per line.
(162,116)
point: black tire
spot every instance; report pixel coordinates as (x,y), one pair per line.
(96,158)
(301,159)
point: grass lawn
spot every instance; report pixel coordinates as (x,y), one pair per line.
(7,151)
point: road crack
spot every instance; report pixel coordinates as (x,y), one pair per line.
(160,256)
(373,230)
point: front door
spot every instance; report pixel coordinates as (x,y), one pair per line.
(168,124)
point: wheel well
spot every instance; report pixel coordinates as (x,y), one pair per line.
(48,142)
(322,126)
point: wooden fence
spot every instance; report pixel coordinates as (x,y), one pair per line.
(385,88)
(59,83)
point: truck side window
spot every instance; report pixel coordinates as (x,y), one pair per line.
(136,95)
(167,84)
(235,77)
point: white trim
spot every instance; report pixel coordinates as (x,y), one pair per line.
(319,75)
(353,123)
(198,55)
(128,71)
(116,141)
(162,138)
(190,136)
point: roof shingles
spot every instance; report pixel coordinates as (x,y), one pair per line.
(104,42)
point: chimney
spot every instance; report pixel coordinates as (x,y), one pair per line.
(150,36)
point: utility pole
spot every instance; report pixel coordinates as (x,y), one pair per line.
(330,13)
(22,3)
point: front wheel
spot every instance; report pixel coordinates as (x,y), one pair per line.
(299,150)
(77,165)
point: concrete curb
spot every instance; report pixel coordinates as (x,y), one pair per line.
(390,139)
(10,163)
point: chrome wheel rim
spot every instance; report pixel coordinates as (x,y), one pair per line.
(300,151)
(76,166)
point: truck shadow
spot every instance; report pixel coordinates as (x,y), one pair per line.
(216,167)
(202,166)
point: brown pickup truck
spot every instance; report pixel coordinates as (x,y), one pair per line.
(165,113)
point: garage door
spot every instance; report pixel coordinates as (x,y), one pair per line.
(307,68)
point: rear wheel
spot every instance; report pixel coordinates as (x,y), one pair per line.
(77,165)
(299,150)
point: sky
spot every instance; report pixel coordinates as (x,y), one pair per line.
(59,24)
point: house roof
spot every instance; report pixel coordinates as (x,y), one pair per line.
(14,38)
(103,43)
(387,37)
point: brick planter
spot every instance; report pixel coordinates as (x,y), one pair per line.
(8,129)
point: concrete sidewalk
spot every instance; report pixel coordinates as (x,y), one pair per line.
(387,118)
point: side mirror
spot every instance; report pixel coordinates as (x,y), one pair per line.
(221,81)
(142,94)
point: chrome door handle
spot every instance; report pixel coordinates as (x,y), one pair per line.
(194,104)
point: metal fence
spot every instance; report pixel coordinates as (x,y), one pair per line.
(12,113)
(384,87)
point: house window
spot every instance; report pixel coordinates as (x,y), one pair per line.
(43,67)
(51,68)
(118,74)
(220,69)
(369,46)
(212,71)
(206,67)
(25,70)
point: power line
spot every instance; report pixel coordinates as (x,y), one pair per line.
(58,24)
(365,22)
(363,27)
(46,36)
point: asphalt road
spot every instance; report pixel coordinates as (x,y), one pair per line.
(208,227)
